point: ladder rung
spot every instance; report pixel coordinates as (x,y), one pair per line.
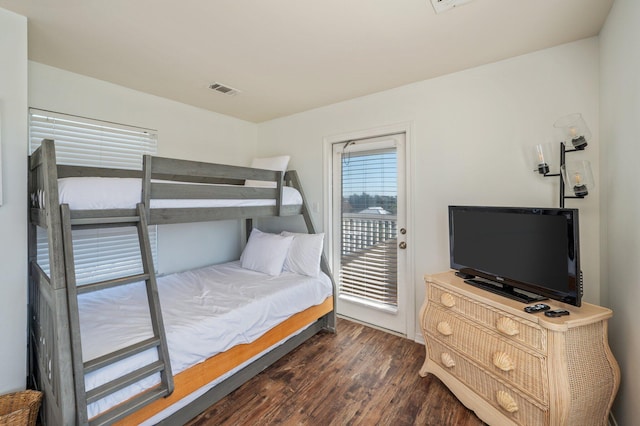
(121,382)
(120,354)
(114,220)
(129,406)
(88,288)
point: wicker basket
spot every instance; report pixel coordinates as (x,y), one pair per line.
(20,408)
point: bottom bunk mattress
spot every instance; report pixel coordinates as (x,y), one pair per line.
(205,311)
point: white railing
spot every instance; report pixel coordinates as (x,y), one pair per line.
(361,230)
(368,267)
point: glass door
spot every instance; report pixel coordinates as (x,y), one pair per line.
(369,230)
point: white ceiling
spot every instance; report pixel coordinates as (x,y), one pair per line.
(288,56)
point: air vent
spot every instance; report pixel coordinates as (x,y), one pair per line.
(224,89)
(444,5)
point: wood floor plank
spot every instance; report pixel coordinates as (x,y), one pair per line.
(359,376)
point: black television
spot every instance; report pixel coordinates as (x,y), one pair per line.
(524,253)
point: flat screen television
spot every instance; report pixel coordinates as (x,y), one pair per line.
(524,253)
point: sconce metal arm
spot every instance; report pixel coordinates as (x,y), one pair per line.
(563,151)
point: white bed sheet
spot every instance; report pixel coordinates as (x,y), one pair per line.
(205,312)
(95,193)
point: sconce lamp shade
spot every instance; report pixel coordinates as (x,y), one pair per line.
(578,177)
(574,130)
(541,157)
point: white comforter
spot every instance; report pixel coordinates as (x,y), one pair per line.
(205,312)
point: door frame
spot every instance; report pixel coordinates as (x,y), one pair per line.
(327,154)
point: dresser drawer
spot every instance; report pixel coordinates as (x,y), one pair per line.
(514,404)
(495,353)
(525,332)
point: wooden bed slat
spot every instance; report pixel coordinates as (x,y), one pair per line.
(65,171)
(193,191)
(102,285)
(166,216)
(132,405)
(178,169)
(105,221)
(120,354)
(123,381)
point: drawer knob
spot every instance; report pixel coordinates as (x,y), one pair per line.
(444,328)
(507,326)
(503,361)
(506,401)
(448,300)
(447,360)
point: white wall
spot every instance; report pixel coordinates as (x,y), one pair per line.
(620,127)
(13,212)
(471,133)
(184,132)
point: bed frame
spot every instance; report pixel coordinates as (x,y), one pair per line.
(55,349)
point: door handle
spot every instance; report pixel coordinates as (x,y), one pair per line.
(402,245)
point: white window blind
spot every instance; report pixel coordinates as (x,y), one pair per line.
(99,254)
(368,267)
(85,142)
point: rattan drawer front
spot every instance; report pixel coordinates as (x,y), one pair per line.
(525,332)
(515,405)
(495,353)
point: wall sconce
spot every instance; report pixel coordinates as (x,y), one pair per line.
(572,128)
(542,156)
(577,175)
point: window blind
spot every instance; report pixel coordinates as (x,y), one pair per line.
(86,142)
(105,253)
(368,267)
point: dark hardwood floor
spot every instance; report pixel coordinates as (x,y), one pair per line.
(359,376)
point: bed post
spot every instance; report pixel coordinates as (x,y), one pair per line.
(292,179)
(248,226)
(49,335)
(279,186)
(146,184)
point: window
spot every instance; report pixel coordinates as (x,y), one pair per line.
(368,263)
(99,254)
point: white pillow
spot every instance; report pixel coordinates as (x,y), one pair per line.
(270,163)
(265,253)
(304,254)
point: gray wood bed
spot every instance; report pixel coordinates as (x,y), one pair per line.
(55,349)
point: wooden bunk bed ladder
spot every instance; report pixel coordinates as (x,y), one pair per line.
(158,341)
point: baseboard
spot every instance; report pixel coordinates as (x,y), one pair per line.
(386,330)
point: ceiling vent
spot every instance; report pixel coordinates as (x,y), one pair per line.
(444,5)
(224,89)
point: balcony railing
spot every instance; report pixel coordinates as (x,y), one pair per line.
(368,269)
(363,230)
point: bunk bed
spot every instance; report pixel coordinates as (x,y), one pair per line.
(165,191)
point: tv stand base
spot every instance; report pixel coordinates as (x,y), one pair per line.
(506,291)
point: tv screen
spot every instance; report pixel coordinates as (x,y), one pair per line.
(518,248)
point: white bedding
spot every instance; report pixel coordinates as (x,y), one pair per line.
(205,312)
(94,193)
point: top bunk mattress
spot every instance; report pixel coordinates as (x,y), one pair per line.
(100,193)
(205,311)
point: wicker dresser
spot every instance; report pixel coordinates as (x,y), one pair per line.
(512,367)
